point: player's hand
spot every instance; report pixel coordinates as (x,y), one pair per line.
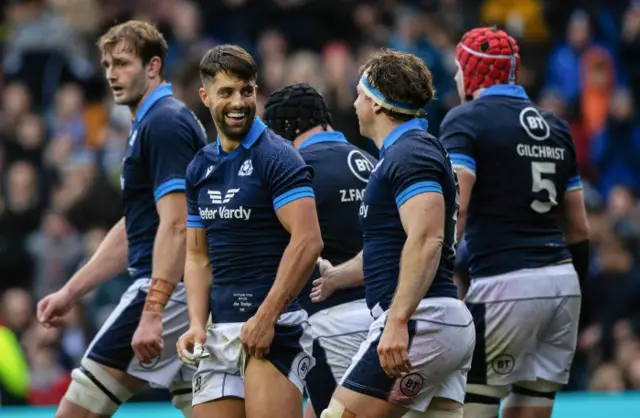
(393,348)
(257,335)
(190,345)
(52,308)
(147,341)
(324,286)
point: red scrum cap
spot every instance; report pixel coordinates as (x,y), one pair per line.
(487,56)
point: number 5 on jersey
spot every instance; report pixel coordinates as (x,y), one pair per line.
(539,184)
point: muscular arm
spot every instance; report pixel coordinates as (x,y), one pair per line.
(301,220)
(197,277)
(466,181)
(109,259)
(422,218)
(168,249)
(576,231)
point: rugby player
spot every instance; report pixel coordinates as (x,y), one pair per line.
(253,240)
(419,347)
(523,217)
(135,344)
(340,323)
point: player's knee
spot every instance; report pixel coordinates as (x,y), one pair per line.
(95,390)
(539,394)
(182,398)
(337,410)
(483,401)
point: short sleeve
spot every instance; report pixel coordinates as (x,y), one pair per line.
(413,173)
(193,214)
(169,146)
(458,137)
(289,178)
(574,182)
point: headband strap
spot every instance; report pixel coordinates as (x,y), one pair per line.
(397,107)
(511,58)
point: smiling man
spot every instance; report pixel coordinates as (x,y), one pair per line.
(253,229)
(128,351)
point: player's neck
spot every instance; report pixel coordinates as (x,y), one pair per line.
(152,86)
(305,135)
(228,145)
(383,129)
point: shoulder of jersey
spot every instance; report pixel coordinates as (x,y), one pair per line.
(461,112)
(195,167)
(555,121)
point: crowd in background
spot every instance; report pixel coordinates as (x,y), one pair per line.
(62,139)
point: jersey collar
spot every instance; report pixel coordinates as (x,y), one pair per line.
(398,131)
(163,90)
(330,136)
(510,90)
(251,137)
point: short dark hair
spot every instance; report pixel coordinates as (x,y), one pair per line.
(141,38)
(400,77)
(230,59)
(295,109)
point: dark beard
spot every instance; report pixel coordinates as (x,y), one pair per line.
(233,133)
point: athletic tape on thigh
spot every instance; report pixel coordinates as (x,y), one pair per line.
(95,390)
(519,400)
(336,410)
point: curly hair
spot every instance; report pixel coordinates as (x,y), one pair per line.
(402,79)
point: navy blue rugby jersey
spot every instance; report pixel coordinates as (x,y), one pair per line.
(412,162)
(234,197)
(341,172)
(524,160)
(164,138)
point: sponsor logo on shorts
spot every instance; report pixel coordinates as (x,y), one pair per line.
(411,384)
(503,364)
(151,364)
(303,366)
(197,385)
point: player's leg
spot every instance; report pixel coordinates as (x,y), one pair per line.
(530,400)
(338,333)
(441,340)
(262,381)
(167,370)
(507,333)
(282,372)
(553,358)
(101,384)
(309,412)
(218,387)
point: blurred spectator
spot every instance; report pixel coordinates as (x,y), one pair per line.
(56,249)
(49,378)
(616,150)
(14,373)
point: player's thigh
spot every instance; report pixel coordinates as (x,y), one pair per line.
(218,376)
(441,340)
(507,334)
(97,390)
(228,407)
(112,344)
(167,368)
(262,381)
(557,345)
(530,399)
(338,333)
